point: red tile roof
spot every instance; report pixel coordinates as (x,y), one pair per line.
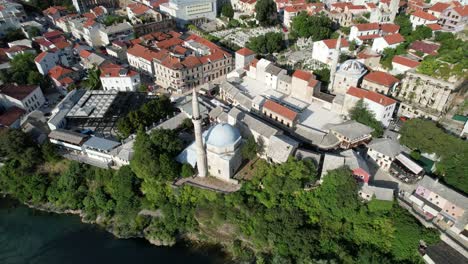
(394,39)
(439,7)
(11,115)
(138,8)
(62,44)
(381,78)
(366,37)
(245,52)
(405,61)
(17,48)
(52,34)
(427,48)
(371,5)
(331,43)
(389,28)
(461,10)
(41,56)
(303,75)
(253,63)
(85,53)
(58,72)
(142,52)
(280,110)
(367,26)
(424,15)
(434,27)
(17,91)
(370,95)
(54,10)
(113,70)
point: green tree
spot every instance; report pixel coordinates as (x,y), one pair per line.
(361,114)
(93,81)
(187,171)
(250,148)
(227,10)
(266,44)
(317,27)
(14,34)
(405,24)
(266,12)
(34,32)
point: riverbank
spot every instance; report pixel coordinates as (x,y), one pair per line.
(37,236)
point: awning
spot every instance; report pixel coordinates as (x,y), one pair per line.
(430,210)
(411,165)
(416,200)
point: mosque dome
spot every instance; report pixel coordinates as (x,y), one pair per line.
(223,135)
(353,67)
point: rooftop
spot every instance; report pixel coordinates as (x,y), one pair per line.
(93,104)
(11,115)
(405,61)
(424,15)
(394,38)
(386,146)
(370,95)
(245,52)
(68,136)
(100,144)
(18,92)
(352,129)
(280,110)
(367,26)
(381,78)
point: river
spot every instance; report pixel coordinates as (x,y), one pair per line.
(29,236)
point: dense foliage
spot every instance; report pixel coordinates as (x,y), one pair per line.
(23,70)
(267,44)
(265,12)
(110,20)
(149,113)
(227,10)
(271,219)
(93,80)
(317,27)
(363,115)
(425,136)
(13,35)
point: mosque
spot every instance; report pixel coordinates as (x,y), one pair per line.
(216,151)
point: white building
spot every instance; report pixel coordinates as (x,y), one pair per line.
(382,151)
(116,77)
(454,19)
(380,82)
(381,105)
(118,32)
(389,41)
(26,97)
(141,58)
(402,64)
(190,11)
(244,57)
(364,32)
(325,50)
(45,61)
(419,18)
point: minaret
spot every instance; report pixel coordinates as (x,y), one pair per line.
(334,64)
(196,119)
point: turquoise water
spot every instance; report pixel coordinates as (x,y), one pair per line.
(33,237)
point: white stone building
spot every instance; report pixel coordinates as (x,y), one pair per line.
(116,77)
(325,50)
(381,105)
(419,18)
(454,19)
(403,64)
(190,11)
(388,41)
(26,97)
(244,57)
(382,151)
(380,82)
(46,61)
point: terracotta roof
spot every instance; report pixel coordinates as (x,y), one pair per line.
(439,7)
(427,48)
(367,26)
(245,52)
(11,115)
(405,61)
(351,7)
(142,52)
(54,10)
(394,39)
(367,54)
(158,3)
(371,5)
(41,56)
(280,110)
(98,10)
(85,53)
(62,44)
(138,8)
(461,10)
(312,83)
(58,72)
(331,43)
(90,22)
(66,81)
(17,91)
(366,37)
(303,75)
(114,70)
(389,28)
(381,78)
(253,63)
(370,95)
(424,15)
(17,49)
(191,62)
(52,34)
(434,27)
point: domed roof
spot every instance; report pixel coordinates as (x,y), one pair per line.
(353,67)
(223,135)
